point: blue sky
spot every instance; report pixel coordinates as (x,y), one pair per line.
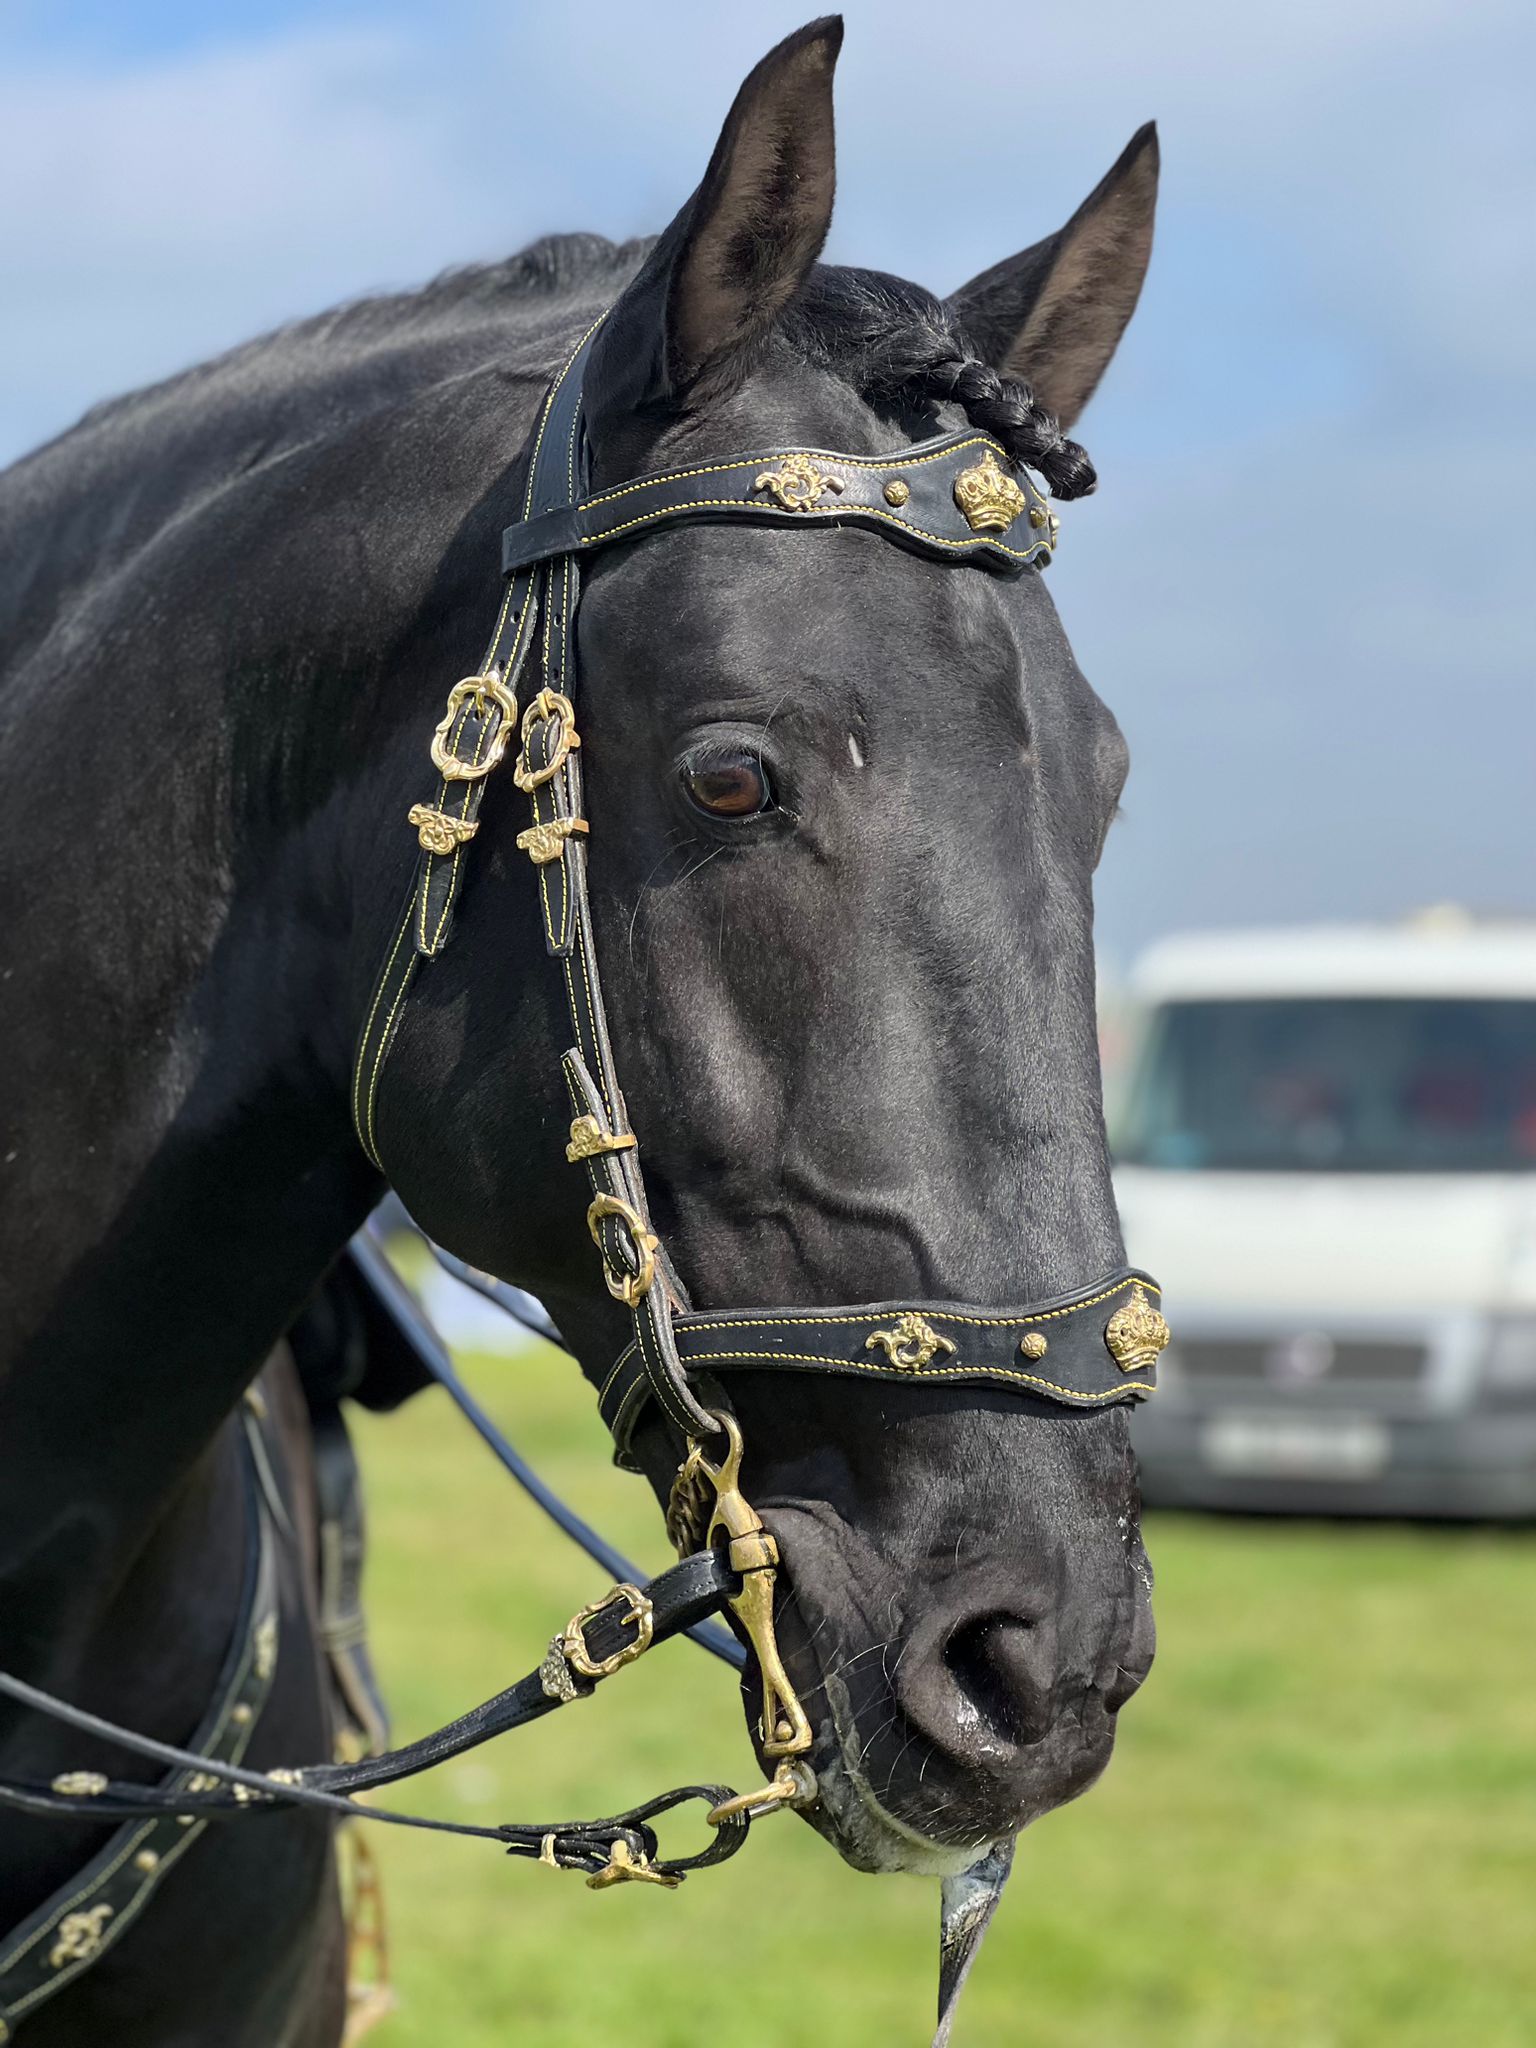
(1305,583)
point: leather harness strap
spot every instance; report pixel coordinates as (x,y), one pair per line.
(82,1920)
(600,1640)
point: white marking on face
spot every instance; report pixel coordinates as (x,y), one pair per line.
(855,752)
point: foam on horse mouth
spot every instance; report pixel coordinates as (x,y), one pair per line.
(863,1831)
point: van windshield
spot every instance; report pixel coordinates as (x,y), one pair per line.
(1366,1085)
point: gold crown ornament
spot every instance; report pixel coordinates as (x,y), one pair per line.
(988,496)
(1136,1333)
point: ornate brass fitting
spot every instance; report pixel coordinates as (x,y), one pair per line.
(784,1731)
(544,843)
(80,1936)
(436,831)
(988,496)
(623,1867)
(798,484)
(1135,1334)
(913,1343)
(588,1139)
(484,689)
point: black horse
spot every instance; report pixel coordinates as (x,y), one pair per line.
(851,805)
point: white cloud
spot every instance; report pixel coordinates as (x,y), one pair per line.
(1304,586)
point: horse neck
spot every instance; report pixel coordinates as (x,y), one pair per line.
(182,1147)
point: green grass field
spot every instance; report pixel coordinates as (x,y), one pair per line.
(1319,1829)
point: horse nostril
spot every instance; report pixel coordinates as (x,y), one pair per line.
(1001,1664)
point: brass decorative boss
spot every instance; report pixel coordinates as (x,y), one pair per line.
(80,1936)
(913,1343)
(989,498)
(797,483)
(436,831)
(1136,1333)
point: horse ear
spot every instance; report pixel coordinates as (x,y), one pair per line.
(733,258)
(1054,314)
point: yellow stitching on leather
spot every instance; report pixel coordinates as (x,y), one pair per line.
(50,1925)
(424,887)
(373,1096)
(660,1381)
(902,462)
(481,740)
(580,951)
(550,873)
(885,1371)
(378,997)
(359,1092)
(920,1372)
(624,1358)
(971,542)
(570,455)
(588,978)
(549,406)
(939,1315)
(124,1914)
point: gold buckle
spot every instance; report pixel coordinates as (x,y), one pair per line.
(547,705)
(453,767)
(630,1288)
(574,1643)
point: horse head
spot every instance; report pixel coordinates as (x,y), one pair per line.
(845,800)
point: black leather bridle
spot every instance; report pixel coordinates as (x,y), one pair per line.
(956,498)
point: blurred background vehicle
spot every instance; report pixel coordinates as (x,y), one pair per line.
(1328,1135)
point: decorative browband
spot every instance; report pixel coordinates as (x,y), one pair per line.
(958,496)
(1083,1350)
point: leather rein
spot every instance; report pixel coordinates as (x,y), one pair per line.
(956,498)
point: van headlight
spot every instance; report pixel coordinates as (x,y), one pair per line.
(1509,1362)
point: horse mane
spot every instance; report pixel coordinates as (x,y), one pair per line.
(456,304)
(900,347)
(896,343)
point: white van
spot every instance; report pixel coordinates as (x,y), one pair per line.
(1326,1151)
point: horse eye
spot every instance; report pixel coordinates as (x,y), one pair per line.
(729,786)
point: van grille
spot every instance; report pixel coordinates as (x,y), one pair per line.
(1307,1359)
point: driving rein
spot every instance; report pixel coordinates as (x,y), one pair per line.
(957,499)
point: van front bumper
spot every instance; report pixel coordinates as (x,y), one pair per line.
(1477,1465)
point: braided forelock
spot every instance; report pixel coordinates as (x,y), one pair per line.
(901,345)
